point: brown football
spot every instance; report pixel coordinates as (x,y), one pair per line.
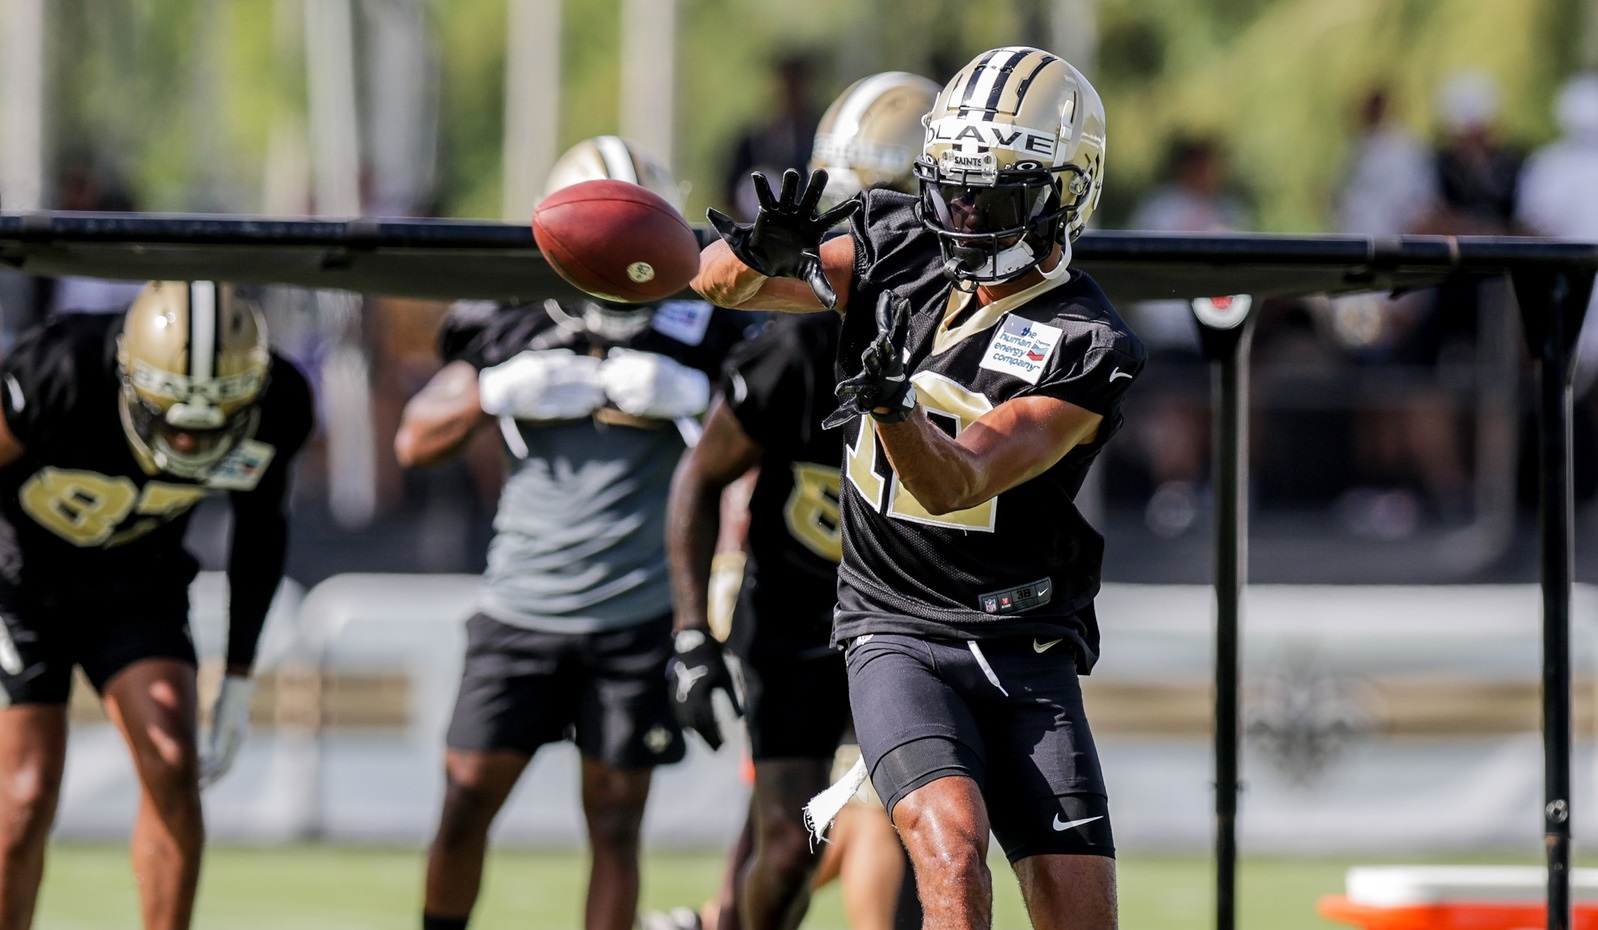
(617,241)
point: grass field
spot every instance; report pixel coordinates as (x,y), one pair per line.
(356,888)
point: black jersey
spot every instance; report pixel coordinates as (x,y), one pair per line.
(79,515)
(1024,563)
(780,387)
(691,332)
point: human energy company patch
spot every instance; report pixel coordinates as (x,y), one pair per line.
(1021,347)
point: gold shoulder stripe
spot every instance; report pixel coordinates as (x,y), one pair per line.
(947,337)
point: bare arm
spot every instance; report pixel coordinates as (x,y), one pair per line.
(693,512)
(1012,443)
(440,419)
(726,281)
(11,447)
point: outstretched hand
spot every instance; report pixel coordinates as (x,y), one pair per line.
(784,241)
(882,384)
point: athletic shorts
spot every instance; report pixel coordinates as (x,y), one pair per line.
(42,638)
(606,692)
(1000,712)
(796,708)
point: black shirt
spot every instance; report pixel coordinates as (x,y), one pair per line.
(779,385)
(79,516)
(1024,563)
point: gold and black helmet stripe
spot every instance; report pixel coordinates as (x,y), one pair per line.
(1032,66)
(997,83)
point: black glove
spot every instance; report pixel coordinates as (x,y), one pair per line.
(881,381)
(694,674)
(784,241)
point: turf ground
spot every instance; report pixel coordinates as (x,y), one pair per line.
(344,888)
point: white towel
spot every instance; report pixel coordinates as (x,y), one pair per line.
(823,808)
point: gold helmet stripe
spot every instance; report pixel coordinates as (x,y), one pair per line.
(202,330)
(618,161)
(1011,102)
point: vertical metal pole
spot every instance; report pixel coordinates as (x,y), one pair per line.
(532,102)
(1225,328)
(1552,306)
(23,103)
(1230,385)
(649,75)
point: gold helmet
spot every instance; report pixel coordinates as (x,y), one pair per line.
(193,363)
(617,159)
(1012,163)
(869,138)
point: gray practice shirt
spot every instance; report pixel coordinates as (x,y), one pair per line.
(579,541)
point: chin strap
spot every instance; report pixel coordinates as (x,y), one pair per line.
(953,267)
(1062,267)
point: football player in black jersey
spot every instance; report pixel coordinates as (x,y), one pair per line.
(114,426)
(776,390)
(981,377)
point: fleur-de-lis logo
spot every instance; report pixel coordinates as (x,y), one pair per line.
(1304,717)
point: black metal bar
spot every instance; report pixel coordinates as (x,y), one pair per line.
(1552,305)
(1475,254)
(1225,329)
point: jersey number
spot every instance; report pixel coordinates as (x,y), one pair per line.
(812,510)
(954,405)
(85,508)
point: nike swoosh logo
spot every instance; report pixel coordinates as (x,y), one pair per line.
(1118,373)
(1039,646)
(1058,826)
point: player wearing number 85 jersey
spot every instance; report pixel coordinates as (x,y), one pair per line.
(981,377)
(113,428)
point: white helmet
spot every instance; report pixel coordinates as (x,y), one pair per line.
(870,136)
(617,159)
(1012,163)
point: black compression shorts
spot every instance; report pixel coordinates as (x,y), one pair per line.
(1002,712)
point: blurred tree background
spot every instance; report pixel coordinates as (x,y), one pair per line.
(202,105)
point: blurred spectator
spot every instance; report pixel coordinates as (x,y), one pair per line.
(774,147)
(1196,197)
(85,187)
(1476,173)
(1390,184)
(1174,429)
(1417,439)
(1559,193)
(1389,188)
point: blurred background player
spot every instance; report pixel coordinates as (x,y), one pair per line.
(990,376)
(777,389)
(594,401)
(115,426)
